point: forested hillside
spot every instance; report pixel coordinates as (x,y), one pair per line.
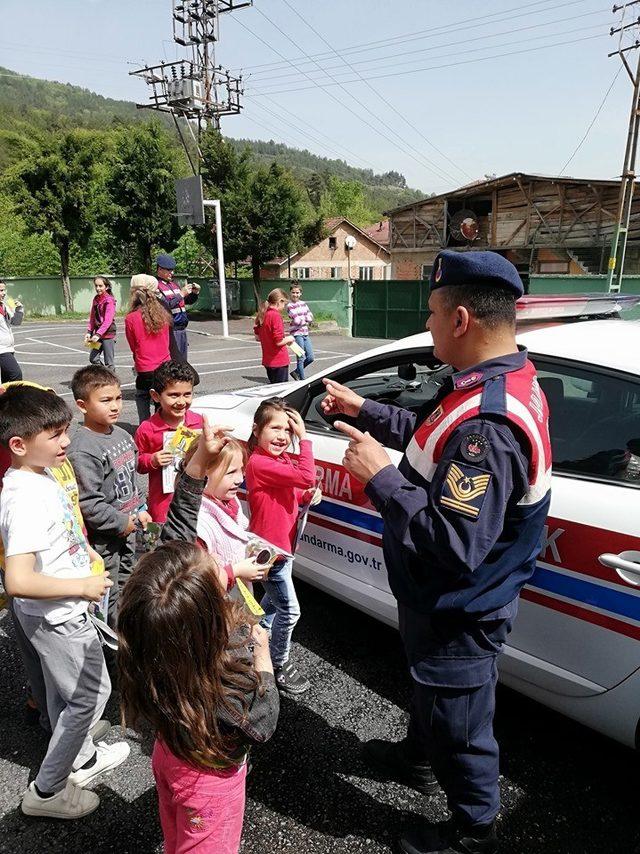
(87,184)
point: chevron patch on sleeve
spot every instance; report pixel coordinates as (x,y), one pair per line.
(464,489)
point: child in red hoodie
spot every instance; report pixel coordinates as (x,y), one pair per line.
(101,328)
(172,390)
(276,485)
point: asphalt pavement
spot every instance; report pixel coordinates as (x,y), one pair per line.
(565,789)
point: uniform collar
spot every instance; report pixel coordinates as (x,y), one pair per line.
(484,371)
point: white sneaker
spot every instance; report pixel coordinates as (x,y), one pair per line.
(108,756)
(71,802)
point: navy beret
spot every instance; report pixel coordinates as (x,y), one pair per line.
(168,262)
(471,268)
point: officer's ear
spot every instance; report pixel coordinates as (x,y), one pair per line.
(461,321)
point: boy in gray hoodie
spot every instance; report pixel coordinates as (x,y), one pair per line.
(104,458)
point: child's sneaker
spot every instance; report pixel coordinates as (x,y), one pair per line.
(71,802)
(108,756)
(289,681)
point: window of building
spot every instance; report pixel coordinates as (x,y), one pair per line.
(366,272)
(425,272)
(301,273)
(336,272)
(333,243)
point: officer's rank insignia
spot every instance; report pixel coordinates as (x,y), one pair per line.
(464,489)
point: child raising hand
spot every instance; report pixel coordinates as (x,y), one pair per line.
(277,484)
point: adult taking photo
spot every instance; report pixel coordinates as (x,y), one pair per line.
(11,314)
(175,299)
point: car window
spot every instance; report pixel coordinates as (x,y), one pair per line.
(594,422)
(396,379)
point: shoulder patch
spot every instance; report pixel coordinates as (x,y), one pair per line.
(474,447)
(464,489)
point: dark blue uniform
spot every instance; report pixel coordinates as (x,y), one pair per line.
(463,518)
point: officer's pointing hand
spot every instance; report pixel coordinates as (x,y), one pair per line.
(341,400)
(364,456)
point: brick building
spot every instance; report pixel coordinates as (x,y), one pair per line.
(331,259)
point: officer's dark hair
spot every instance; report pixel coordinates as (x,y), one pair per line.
(26,411)
(173,372)
(88,379)
(492,305)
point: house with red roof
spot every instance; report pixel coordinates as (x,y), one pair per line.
(347,252)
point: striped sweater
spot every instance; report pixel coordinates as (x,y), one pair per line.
(300,316)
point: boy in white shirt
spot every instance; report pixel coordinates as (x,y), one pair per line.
(48,572)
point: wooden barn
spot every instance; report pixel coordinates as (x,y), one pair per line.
(544,225)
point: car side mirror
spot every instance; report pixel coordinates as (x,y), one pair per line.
(407,372)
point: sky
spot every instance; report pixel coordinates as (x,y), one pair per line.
(442,92)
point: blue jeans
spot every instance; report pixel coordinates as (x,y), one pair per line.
(304,341)
(281,610)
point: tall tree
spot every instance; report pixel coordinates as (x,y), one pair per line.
(140,190)
(346,198)
(53,195)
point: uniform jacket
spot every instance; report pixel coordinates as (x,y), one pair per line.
(102,316)
(464,511)
(9,318)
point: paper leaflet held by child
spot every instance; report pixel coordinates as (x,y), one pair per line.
(178,442)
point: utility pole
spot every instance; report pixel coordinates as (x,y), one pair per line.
(199,92)
(628,177)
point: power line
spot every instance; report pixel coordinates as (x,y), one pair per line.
(316,140)
(458,26)
(593,121)
(424,161)
(431,49)
(437,67)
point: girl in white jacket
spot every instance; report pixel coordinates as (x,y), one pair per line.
(222,525)
(10,315)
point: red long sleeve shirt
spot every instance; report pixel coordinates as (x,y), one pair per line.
(149,438)
(150,349)
(270,331)
(275,486)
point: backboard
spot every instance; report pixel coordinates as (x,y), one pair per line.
(189,198)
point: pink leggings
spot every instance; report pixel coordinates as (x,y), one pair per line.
(200,809)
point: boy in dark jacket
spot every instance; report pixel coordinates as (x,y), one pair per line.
(104,458)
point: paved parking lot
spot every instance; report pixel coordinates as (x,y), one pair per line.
(565,789)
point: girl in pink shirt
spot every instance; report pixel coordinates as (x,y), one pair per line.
(101,327)
(147,329)
(277,484)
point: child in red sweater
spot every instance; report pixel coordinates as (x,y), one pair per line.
(269,331)
(277,484)
(172,390)
(101,328)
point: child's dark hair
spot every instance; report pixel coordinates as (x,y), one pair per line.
(88,379)
(26,411)
(262,417)
(174,372)
(178,665)
(106,282)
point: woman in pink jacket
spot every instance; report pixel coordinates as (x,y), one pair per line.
(101,328)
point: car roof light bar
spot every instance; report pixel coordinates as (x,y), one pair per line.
(560,306)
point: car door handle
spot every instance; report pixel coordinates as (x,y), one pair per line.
(628,570)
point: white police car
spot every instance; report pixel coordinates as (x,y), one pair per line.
(576,642)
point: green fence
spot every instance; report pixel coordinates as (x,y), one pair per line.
(42,295)
(396,308)
(390,308)
(326,296)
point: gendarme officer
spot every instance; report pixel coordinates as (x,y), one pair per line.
(463,517)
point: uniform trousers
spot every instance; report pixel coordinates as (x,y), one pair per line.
(454,675)
(77,689)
